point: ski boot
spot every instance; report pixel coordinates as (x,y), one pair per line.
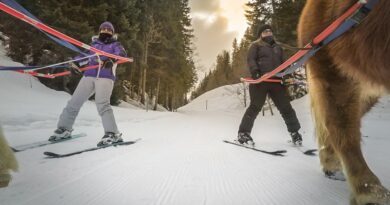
(60,134)
(110,138)
(245,138)
(296,138)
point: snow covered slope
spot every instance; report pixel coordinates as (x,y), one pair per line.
(181,158)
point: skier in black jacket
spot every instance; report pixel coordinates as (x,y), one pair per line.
(264,55)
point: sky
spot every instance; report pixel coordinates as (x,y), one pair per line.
(216,23)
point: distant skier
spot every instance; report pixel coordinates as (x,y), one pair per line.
(264,55)
(99,81)
(7,161)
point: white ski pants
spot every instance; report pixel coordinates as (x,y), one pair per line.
(102,87)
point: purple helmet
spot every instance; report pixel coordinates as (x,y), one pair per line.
(107,25)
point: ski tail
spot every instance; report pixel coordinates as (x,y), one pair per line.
(310,152)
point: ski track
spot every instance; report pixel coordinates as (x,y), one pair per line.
(192,170)
(181,158)
(54,193)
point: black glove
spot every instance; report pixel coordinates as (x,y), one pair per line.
(108,64)
(74,68)
(256,74)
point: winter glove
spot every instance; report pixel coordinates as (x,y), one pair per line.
(256,74)
(108,64)
(74,68)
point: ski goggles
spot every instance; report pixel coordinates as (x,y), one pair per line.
(106,30)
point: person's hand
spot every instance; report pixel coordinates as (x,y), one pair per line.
(108,64)
(256,74)
(74,68)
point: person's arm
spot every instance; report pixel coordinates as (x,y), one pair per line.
(282,56)
(252,61)
(76,63)
(119,51)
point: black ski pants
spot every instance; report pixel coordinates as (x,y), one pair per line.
(278,94)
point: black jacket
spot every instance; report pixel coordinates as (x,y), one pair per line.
(264,57)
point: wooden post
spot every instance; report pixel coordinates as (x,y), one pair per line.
(157,93)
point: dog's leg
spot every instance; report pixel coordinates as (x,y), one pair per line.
(329,159)
(338,108)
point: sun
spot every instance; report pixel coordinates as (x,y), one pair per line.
(234,11)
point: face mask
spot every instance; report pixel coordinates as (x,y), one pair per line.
(269,40)
(104,36)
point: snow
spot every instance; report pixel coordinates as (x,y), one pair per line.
(181,158)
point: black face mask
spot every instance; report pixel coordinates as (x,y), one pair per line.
(104,37)
(269,39)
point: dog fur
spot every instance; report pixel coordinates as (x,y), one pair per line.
(7,161)
(346,78)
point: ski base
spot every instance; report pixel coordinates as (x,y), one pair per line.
(274,153)
(55,155)
(21,148)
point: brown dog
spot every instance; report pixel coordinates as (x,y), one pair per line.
(7,161)
(346,78)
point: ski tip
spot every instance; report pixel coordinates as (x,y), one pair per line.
(128,142)
(226,141)
(51,154)
(14,150)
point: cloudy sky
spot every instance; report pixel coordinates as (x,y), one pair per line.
(216,23)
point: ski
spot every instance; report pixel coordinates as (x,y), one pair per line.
(56,155)
(274,153)
(21,148)
(303,149)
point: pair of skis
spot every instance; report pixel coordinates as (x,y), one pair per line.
(305,151)
(56,155)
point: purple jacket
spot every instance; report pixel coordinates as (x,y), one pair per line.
(112,46)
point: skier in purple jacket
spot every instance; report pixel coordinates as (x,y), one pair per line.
(96,81)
